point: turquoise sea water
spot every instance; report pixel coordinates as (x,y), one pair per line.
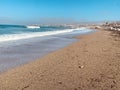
(15,32)
(17,29)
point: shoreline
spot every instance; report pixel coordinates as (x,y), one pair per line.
(17,53)
(92,63)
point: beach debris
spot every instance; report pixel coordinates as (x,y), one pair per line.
(25,87)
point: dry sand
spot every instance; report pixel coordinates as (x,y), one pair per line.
(93,63)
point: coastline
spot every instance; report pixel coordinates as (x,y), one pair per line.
(16,53)
(92,63)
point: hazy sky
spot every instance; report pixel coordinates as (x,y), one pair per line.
(58,11)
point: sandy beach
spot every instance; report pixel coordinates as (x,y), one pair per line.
(92,63)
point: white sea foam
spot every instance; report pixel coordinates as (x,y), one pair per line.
(33,27)
(11,37)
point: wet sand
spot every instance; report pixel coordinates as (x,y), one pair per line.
(92,63)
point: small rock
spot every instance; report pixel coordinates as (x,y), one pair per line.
(75,89)
(60,82)
(81,66)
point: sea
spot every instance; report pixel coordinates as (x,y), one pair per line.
(20,45)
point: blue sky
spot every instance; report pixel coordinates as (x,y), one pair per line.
(58,11)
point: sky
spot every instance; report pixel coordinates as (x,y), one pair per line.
(58,11)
